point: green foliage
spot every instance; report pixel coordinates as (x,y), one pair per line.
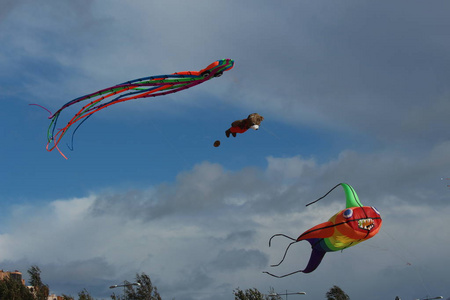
(114,297)
(145,291)
(14,290)
(336,293)
(84,295)
(249,294)
(40,290)
(11,289)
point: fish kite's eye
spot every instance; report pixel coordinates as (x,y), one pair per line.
(348,213)
(376,210)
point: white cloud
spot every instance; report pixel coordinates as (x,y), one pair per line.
(70,211)
(211,223)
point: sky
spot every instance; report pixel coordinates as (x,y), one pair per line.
(351,91)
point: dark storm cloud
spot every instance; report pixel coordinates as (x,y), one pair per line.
(235,259)
(45,44)
(191,284)
(6,6)
(344,73)
(71,276)
(240,236)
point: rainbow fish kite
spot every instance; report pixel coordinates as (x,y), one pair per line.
(349,227)
(152,86)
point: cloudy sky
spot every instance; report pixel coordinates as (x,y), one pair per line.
(351,91)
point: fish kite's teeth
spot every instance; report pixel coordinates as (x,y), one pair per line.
(366,224)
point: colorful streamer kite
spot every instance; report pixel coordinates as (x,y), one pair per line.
(152,86)
(347,228)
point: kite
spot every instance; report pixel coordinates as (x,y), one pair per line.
(349,227)
(240,126)
(152,86)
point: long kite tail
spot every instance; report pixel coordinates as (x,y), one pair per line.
(145,87)
(287,248)
(51,115)
(151,89)
(285,275)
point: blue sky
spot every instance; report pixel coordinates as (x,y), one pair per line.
(352,92)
